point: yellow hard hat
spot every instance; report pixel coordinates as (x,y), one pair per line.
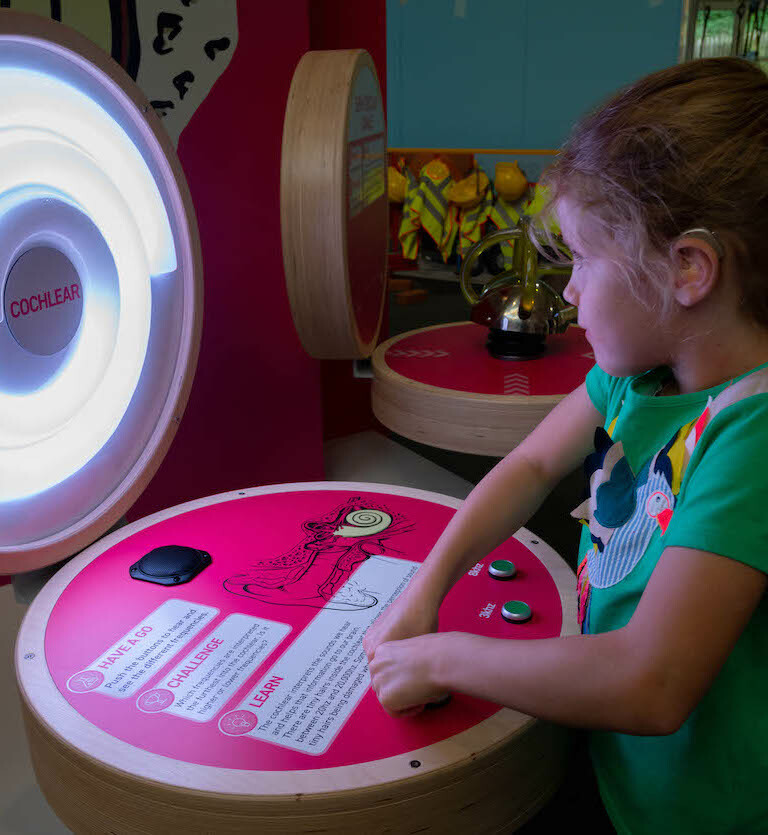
(396,185)
(467,193)
(510,183)
(436,170)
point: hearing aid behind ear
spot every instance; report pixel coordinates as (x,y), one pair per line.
(705,235)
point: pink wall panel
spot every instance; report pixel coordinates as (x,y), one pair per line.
(338,24)
(254,414)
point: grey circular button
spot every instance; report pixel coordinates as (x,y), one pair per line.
(43,301)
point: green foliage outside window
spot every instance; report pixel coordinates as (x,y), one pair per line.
(715,34)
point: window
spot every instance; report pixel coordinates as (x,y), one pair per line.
(726,27)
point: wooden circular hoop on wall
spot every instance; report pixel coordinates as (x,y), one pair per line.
(333,203)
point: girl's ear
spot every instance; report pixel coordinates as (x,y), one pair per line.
(697,270)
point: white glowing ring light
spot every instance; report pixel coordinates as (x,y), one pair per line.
(55,137)
(87,168)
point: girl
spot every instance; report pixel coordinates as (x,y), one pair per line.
(662,196)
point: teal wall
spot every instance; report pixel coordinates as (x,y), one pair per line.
(515,73)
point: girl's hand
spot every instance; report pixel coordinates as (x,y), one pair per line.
(410,615)
(403,674)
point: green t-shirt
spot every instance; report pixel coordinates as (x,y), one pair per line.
(711,776)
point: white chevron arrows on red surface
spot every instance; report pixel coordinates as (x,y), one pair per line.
(590,355)
(517,384)
(415,353)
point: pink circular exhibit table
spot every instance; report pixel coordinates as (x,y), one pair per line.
(202,670)
(440,386)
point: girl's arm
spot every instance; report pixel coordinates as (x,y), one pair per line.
(645,678)
(500,504)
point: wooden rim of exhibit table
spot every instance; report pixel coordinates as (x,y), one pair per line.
(458,418)
(465,781)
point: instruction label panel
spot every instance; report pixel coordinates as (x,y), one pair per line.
(366,144)
(309,693)
(367,173)
(199,686)
(129,663)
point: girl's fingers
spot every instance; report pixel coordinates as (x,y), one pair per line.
(408,711)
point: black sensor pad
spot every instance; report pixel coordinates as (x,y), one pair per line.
(170,565)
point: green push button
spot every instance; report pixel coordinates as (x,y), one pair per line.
(502,569)
(516,611)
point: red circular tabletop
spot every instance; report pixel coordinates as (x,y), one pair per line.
(455,357)
(440,386)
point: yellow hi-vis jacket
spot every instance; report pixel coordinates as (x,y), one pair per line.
(506,216)
(536,204)
(426,206)
(410,223)
(471,222)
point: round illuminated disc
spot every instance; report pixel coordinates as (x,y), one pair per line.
(333,203)
(100,287)
(240,700)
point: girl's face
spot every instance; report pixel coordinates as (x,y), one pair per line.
(625,333)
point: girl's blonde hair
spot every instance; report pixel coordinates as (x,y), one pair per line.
(682,148)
